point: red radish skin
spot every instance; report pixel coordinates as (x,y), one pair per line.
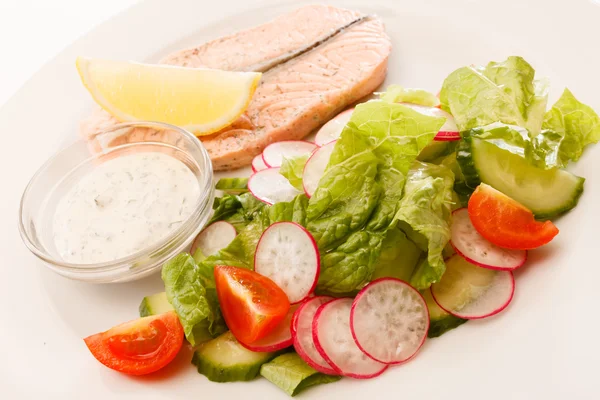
(277,340)
(258,164)
(500,307)
(372,367)
(270,187)
(280,267)
(447,136)
(482,265)
(213,238)
(302,333)
(274,153)
(315,168)
(473,247)
(367,297)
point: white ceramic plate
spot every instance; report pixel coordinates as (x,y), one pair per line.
(544,345)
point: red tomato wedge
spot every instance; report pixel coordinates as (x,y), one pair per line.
(507,223)
(252,304)
(139,347)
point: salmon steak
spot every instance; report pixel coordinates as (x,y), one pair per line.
(315,61)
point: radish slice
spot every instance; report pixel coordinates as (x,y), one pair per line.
(274,153)
(270,187)
(333,128)
(334,341)
(258,164)
(303,338)
(389,320)
(213,238)
(280,338)
(471,292)
(315,168)
(448,131)
(478,250)
(447,136)
(288,255)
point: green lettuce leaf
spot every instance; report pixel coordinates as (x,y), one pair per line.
(500,92)
(232,185)
(196,306)
(237,210)
(399,94)
(358,195)
(462,192)
(225,207)
(439,327)
(350,266)
(190,285)
(292,375)
(569,126)
(292,169)
(424,215)
(399,257)
(549,149)
(292,211)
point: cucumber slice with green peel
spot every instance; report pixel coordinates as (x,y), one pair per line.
(155,304)
(224,359)
(548,193)
(290,373)
(440,321)
(232,185)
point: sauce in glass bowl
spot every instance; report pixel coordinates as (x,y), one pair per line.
(119,211)
(123,206)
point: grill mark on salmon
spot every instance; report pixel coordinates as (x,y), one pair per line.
(294,97)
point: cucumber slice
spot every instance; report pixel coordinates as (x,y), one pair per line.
(292,375)
(232,185)
(155,304)
(440,321)
(434,150)
(548,193)
(225,360)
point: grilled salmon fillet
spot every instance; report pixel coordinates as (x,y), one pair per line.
(262,47)
(298,96)
(332,57)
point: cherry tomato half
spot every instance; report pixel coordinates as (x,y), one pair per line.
(506,222)
(252,304)
(139,347)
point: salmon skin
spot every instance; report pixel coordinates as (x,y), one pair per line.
(317,60)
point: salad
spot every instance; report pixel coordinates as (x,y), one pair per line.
(403,220)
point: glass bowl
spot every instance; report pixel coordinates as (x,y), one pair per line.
(61,172)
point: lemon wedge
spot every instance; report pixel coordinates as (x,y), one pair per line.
(202,101)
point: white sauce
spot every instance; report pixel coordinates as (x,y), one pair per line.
(124,205)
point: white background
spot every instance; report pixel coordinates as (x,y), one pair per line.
(33,31)
(544,346)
